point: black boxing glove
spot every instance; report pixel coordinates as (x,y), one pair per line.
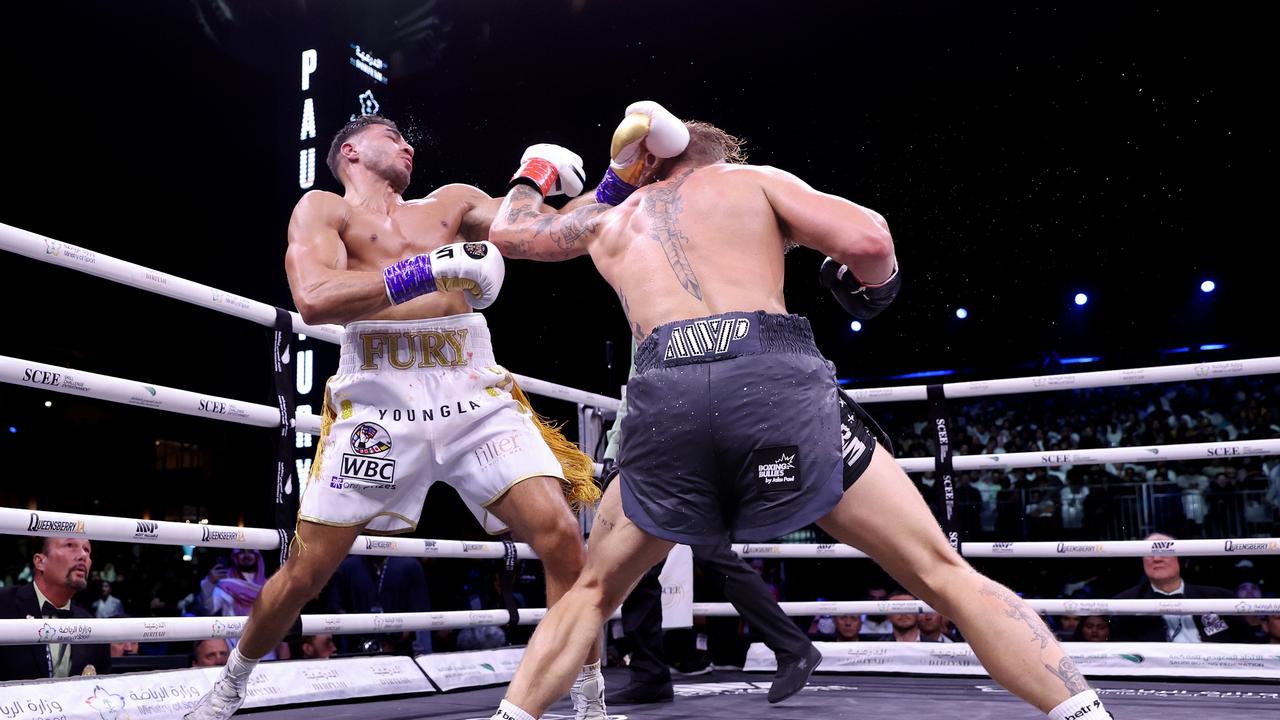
(861,301)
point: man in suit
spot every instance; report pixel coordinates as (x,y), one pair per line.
(61,570)
(1164,580)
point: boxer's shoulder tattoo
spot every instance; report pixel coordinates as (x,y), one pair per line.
(663,205)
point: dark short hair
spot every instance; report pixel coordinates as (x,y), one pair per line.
(709,144)
(351,128)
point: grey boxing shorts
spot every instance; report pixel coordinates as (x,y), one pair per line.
(735,425)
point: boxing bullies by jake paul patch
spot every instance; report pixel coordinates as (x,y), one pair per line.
(777,468)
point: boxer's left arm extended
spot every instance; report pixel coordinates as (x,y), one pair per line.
(484,209)
(527,229)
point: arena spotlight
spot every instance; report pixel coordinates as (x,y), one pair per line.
(962,313)
(1081,298)
(855,326)
(48,403)
(1208,286)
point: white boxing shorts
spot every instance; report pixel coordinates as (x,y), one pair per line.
(414,403)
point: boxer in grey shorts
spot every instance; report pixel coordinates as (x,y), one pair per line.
(729,388)
(751,439)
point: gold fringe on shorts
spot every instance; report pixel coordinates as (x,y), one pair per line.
(579,474)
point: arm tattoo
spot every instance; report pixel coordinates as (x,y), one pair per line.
(664,206)
(564,231)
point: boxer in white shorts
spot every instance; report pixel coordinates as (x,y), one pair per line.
(414,403)
(419,397)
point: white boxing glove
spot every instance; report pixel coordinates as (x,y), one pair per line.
(475,269)
(552,169)
(646,126)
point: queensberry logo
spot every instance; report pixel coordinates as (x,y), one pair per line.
(373,544)
(208,534)
(1066,548)
(55,526)
(1233,546)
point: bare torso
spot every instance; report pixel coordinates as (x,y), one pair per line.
(338,249)
(374,240)
(706,241)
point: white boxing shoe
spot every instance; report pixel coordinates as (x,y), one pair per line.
(220,703)
(588,697)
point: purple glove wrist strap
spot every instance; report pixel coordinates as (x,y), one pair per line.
(409,278)
(613,189)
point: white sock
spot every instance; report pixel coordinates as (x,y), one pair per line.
(508,711)
(238,666)
(1081,706)
(588,672)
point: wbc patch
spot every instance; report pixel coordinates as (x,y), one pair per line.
(776,468)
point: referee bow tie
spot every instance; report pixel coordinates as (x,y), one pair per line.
(49,611)
(1177,594)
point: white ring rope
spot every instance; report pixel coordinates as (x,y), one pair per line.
(39,247)
(1124,548)
(103,630)
(56,252)
(1102,456)
(14,521)
(1073,381)
(162,532)
(156,397)
(45,249)
(159,397)
(153,629)
(1223,606)
(1097,548)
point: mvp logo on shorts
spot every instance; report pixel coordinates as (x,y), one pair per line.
(370,442)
